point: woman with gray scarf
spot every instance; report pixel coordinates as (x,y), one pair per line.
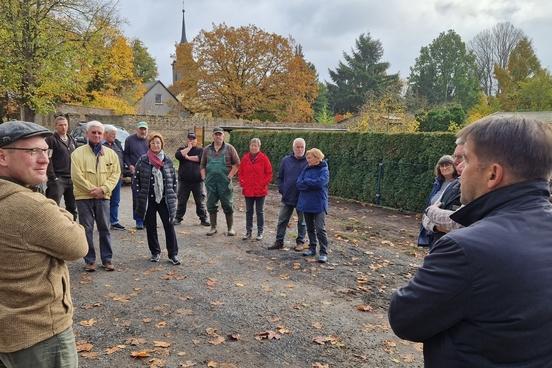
(155,183)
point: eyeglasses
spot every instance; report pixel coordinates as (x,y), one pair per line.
(33,151)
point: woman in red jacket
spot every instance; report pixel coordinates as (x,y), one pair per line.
(255,174)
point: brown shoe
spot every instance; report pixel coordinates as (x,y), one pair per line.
(299,247)
(108,266)
(90,267)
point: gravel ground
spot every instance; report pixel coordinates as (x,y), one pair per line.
(233,303)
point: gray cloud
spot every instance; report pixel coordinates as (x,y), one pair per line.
(327,28)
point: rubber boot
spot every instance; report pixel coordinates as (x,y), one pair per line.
(230,224)
(213,218)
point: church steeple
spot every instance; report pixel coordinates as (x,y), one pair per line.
(183,38)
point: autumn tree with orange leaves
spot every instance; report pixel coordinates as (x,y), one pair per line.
(248,73)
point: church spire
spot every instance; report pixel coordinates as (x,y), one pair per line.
(183,38)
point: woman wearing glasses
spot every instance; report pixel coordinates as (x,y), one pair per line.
(445,173)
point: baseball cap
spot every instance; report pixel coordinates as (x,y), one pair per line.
(15,130)
(191,135)
(142,124)
(218,130)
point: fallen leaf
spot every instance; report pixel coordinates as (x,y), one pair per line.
(317,325)
(364,308)
(88,323)
(156,363)
(140,354)
(239,284)
(282,330)
(147,320)
(90,306)
(161,344)
(84,346)
(268,335)
(211,283)
(134,341)
(320,365)
(187,364)
(161,324)
(217,340)
(332,340)
(217,303)
(89,355)
(119,297)
(234,336)
(114,349)
(181,353)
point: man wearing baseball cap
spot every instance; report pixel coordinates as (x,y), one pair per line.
(189,180)
(36,312)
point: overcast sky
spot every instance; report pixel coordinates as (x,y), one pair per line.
(327,28)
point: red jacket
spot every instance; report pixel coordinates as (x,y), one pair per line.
(255,175)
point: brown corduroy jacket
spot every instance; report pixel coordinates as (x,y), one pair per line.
(36,238)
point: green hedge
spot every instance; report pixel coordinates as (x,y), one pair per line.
(403,162)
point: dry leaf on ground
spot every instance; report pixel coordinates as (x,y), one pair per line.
(89,355)
(134,341)
(88,323)
(268,335)
(140,354)
(84,346)
(161,344)
(114,349)
(364,308)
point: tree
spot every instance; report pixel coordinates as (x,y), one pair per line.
(322,113)
(185,88)
(441,119)
(362,73)
(246,72)
(493,47)
(523,65)
(145,66)
(445,72)
(40,45)
(384,114)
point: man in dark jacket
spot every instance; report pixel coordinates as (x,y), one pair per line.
(135,146)
(189,180)
(290,168)
(482,296)
(59,170)
(111,141)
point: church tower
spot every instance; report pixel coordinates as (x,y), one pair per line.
(183,40)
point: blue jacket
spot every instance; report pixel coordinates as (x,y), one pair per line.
(482,297)
(290,168)
(312,184)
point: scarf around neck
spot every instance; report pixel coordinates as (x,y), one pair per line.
(156,159)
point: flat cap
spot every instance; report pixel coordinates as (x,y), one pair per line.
(15,130)
(218,130)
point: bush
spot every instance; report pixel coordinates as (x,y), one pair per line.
(441,118)
(394,170)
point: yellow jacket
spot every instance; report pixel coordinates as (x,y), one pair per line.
(89,171)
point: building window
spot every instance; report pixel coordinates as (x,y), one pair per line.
(158,99)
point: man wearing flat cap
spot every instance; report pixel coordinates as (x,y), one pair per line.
(189,180)
(219,164)
(38,237)
(136,145)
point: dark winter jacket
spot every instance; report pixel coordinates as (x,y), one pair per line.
(290,168)
(482,297)
(189,171)
(312,184)
(425,238)
(60,163)
(118,148)
(449,201)
(255,174)
(143,186)
(134,148)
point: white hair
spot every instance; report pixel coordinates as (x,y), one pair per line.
(94,123)
(255,140)
(108,128)
(299,140)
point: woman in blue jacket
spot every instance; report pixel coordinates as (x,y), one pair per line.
(312,185)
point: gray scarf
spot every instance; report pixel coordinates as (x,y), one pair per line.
(158,179)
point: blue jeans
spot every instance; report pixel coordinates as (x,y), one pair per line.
(258,203)
(283,219)
(59,351)
(97,210)
(114,203)
(316,227)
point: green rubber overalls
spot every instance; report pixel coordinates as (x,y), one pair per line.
(219,187)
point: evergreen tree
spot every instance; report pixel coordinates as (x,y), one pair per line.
(145,66)
(445,72)
(362,73)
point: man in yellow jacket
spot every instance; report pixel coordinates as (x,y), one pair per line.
(95,171)
(36,238)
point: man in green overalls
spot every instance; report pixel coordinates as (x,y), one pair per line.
(219,164)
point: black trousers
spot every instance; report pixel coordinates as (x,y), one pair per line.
(198,191)
(151,228)
(62,187)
